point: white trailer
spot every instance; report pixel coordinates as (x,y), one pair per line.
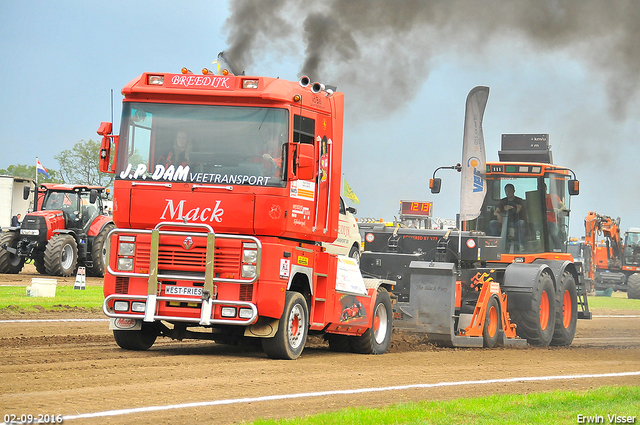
(12,200)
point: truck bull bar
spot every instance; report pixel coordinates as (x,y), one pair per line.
(207,300)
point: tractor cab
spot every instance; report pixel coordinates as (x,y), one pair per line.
(79,206)
(528,198)
(530,213)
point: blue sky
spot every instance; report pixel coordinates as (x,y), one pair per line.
(62,59)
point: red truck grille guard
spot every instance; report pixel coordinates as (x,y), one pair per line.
(209,293)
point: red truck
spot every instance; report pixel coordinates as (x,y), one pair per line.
(226,187)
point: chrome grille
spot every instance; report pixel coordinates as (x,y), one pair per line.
(225,260)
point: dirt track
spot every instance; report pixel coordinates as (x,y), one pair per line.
(75,367)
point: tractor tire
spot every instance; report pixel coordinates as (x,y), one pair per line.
(99,252)
(566,311)
(10,263)
(492,324)
(139,340)
(289,340)
(61,255)
(633,286)
(40,267)
(338,343)
(535,317)
(377,338)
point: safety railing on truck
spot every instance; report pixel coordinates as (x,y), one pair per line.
(209,292)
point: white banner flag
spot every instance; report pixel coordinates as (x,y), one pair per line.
(473,186)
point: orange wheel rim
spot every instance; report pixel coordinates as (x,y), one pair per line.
(566,309)
(544,310)
(493,321)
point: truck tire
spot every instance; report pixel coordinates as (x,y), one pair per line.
(10,263)
(535,316)
(492,324)
(633,286)
(289,340)
(139,340)
(61,255)
(99,252)
(377,338)
(566,311)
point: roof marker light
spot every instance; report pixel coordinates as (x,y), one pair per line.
(250,84)
(186,71)
(206,71)
(155,79)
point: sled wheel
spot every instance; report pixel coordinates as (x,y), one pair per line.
(376,340)
(566,311)
(61,255)
(289,340)
(490,332)
(139,340)
(535,317)
(99,252)
(10,263)
(633,286)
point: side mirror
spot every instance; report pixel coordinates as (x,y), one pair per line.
(93,195)
(352,210)
(304,161)
(105,147)
(574,187)
(435,184)
(26,192)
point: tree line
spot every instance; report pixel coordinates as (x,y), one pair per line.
(78,166)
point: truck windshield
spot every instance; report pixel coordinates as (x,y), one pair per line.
(203,144)
(531,214)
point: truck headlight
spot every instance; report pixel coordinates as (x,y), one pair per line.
(249,256)
(138,306)
(125,264)
(249,270)
(121,306)
(126,248)
(245,313)
(228,312)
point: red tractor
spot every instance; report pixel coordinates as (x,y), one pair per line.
(68,231)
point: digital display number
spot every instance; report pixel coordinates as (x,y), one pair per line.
(415,208)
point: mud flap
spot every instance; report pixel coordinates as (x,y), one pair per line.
(122,324)
(264,328)
(431,308)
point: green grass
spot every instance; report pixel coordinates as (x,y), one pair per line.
(15,298)
(613,303)
(556,407)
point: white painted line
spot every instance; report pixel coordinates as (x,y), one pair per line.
(616,317)
(52,320)
(339,392)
